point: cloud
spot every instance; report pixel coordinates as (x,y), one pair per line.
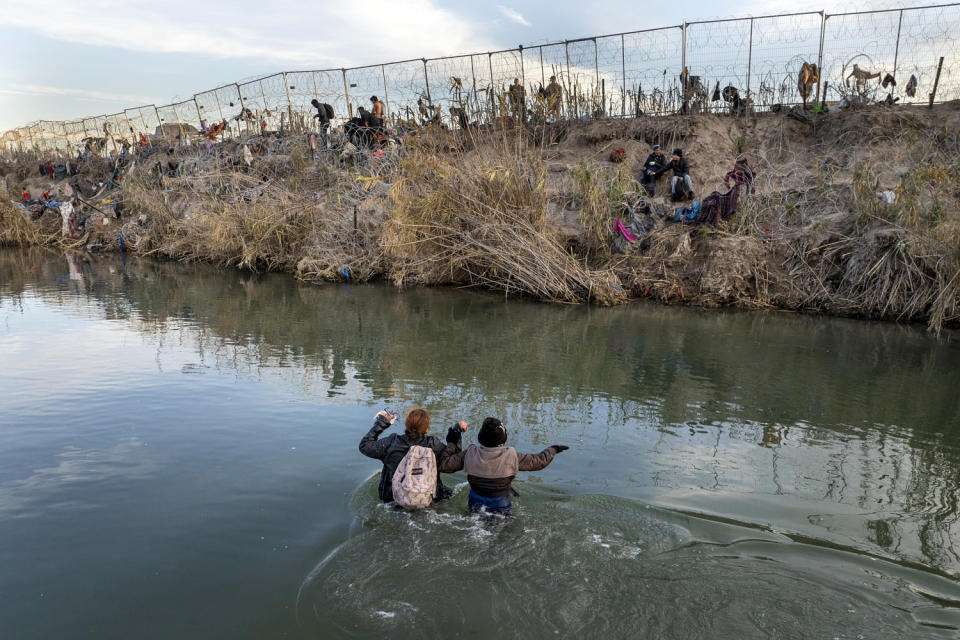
(83,94)
(311,36)
(513,15)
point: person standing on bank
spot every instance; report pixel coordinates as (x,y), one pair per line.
(377,111)
(324,115)
(394,447)
(554,97)
(518,100)
(491,467)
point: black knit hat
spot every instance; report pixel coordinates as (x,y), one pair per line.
(678,152)
(492,433)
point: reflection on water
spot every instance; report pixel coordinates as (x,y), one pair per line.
(832,443)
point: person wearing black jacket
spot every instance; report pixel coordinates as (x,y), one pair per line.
(652,169)
(491,467)
(680,185)
(324,114)
(394,447)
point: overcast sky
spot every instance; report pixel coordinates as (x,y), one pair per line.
(68,59)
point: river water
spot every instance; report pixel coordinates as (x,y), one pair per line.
(178,459)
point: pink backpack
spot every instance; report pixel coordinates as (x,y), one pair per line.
(415,480)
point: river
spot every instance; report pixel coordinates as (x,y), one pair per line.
(178,459)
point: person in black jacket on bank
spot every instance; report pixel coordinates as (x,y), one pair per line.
(681,188)
(392,448)
(652,169)
(324,114)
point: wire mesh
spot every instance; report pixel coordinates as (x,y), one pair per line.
(617,75)
(143,120)
(610,63)
(925,35)
(407,83)
(718,56)
(365,82)
(779,46)
(652,62)
(74,132)
(863,44)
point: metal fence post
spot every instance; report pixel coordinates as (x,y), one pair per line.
(749,58)
(823,31)
(493,98)
(243,109)
(683,51)
(197,105)
(566,49)
(286,87)
(426,79)
(346,93)
(683,71)
(473,78)
(896,51)
(523,76)
(623,71)
(596,60)
(543,77)
(386,94)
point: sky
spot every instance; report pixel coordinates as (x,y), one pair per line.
(65,60)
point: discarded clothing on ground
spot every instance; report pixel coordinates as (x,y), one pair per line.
(635,230)
(719,206)
(711,210)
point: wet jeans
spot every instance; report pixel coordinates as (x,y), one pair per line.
(478,503)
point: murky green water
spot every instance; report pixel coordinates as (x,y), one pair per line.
(178,459)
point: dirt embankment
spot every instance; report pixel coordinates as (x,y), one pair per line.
(851,212)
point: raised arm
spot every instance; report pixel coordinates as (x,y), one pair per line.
(537,461)
(370,446)
(450,456)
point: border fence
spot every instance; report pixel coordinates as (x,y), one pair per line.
(671,69)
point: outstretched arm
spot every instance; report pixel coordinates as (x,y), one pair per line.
(370,446)
(537,461)
(451,463)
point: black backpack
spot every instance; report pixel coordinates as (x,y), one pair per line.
(328,110)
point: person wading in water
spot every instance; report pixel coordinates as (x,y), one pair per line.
(491,467)
(394,447)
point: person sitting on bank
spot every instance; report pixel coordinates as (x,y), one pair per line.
(681,187)
(394,447)
(491,467)
(652,168)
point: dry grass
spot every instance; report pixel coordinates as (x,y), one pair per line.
(480,219)
(469,208)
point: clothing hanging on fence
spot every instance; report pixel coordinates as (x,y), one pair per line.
(888,80)
(716,92)
(912,86)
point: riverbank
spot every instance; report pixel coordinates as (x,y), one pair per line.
(531,211)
